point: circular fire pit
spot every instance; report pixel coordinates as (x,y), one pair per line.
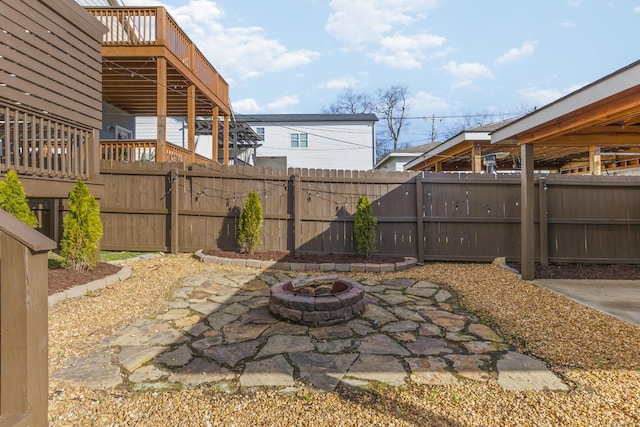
(317,301)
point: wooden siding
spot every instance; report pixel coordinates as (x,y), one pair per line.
(434,216)
(52,62)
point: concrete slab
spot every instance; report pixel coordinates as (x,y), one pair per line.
(618,298)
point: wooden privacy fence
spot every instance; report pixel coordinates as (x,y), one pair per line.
(23,323)
(432,216)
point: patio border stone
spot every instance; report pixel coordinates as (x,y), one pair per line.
(296,266)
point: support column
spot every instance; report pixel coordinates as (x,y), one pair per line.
(161,109)
(527,218)
(225,142)
(595,163)
(214,133)
(191,122)
(438,167)
(476,159)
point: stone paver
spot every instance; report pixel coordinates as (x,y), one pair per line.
(321,370)
(273,372)
(381,368)
(520,372)
(216,329)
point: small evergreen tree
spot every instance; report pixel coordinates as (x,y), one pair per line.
(13,199)
(365,227)
(250,223)
(82,230)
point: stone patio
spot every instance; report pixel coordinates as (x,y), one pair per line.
(216,330)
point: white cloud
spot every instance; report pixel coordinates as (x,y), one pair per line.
(278,105)
(405,52)
(384,21)
(574,3)
(282,104)
(248,51)
(540,97)
(246,106)
(464,74)
(380,16)
(636,9)
(424,103)
(517,53)
(340,83)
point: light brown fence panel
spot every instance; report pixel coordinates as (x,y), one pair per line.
(136,204)
(471,217)
(593,219)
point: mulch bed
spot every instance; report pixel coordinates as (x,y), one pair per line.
(61,278)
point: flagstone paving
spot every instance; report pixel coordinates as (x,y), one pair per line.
(216,329)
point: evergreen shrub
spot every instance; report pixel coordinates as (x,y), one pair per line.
(250,224)
(82,230)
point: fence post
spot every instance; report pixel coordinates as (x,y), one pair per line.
(419,219)
(174,213)
(297,212)
(544,226)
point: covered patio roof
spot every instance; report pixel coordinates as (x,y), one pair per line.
(593,130)
(598,123)
(605,116)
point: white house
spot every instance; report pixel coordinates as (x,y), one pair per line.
(395,160)
(315,141)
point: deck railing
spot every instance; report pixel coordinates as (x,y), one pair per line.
(23,323)
(141,150)
(153,26)
(35,144)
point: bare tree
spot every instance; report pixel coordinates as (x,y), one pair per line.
(352,102)
(392,106)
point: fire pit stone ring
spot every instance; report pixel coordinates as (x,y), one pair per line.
(317,301)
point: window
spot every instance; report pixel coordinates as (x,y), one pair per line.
(260,132)
(299,140)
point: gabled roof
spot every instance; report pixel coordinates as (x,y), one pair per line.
(289,118)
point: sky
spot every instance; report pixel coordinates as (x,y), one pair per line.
(487,58)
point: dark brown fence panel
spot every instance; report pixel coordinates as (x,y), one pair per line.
(593,219)
(471,217)
(454,217)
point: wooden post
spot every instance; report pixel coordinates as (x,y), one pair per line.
(438,167)
(527,226)
(297,212)
(476,158)
(419,219)
(161,109)
(225,142)
(595,163)
(215,125)
(23,323)
(174,221)
(191,122)
(542,214)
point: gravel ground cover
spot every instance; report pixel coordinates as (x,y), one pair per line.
(594,353)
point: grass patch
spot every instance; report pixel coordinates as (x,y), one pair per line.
(107,256)
(55,260)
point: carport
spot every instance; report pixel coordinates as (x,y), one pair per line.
(604,115)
